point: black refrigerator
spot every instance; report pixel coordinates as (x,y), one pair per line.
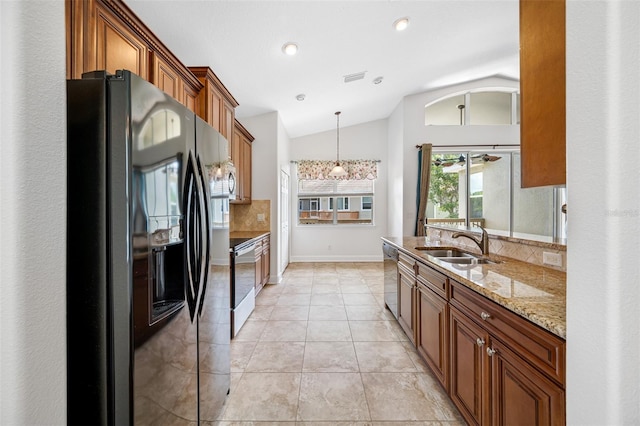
(148,304)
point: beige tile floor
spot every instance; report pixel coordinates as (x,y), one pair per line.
(321,349)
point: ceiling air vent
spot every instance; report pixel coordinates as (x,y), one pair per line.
(353,77)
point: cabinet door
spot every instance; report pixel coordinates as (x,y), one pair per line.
(190,98)
(258,259)
(406,291)
(227,119)
(246,170)
(166,78)
(236,151)
(469,369)
(213,108)
(542,87)
(266,261)
(521,395)
(432,331)
(116,46)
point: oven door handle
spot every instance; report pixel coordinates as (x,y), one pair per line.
(245,250)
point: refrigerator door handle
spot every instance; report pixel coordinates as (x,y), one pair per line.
(205,234)
(191,243)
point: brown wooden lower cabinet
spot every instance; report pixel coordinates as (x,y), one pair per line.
(432,332)
(266,260)
(262,258)
(258,264)
(520,395)
(469,368)
(406,301)
(497,367)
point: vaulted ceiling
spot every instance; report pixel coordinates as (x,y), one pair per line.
(447,42)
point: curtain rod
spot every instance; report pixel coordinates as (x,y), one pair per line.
(469,146)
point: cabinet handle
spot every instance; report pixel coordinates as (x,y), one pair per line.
(491,351)
(480,342)
(485,316)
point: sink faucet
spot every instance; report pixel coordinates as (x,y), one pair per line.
(482,242)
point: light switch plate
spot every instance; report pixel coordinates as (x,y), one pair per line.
(260,217)
(553,259)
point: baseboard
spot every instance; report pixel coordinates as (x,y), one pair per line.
(336,258)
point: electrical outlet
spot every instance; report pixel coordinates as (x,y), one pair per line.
(260,217)
(553,259)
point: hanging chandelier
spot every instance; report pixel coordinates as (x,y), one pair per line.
(338,170)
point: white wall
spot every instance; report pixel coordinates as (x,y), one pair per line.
(395,158)
(416,133)
(33,213)
(269,151)
(349,243)
(603,147)
(284,164)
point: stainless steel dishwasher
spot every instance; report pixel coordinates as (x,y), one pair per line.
(390,257)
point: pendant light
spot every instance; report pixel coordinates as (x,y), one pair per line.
(338,170)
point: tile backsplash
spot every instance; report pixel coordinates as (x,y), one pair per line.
(519,249)
(250,217)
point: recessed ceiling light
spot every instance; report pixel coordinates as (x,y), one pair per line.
(300,97)
(290,48)
(401,24)
(377,80)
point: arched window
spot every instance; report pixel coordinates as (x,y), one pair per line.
(478,107)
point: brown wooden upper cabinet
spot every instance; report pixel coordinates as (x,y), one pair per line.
(184,87)
(216,104)
(241,156)
(107,35)
(542,89)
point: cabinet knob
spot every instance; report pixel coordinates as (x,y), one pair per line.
(485,316)
(480,341)
(491,351)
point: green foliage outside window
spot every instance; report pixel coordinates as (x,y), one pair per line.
(443,187)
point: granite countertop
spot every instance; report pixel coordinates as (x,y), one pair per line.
(536,293)
(238,237)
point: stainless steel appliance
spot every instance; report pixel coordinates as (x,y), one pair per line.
(147,257)
(390,258)
(243,281)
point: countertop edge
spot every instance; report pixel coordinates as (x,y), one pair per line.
(555,324)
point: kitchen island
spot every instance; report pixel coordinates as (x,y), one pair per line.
(492,333)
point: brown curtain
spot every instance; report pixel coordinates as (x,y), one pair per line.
(424,172)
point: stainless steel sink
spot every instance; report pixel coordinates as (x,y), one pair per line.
(454,255)
(444,252)
(466,260)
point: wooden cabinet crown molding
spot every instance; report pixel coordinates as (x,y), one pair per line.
(207,74)
(243,131)
(155,45)
(82,32)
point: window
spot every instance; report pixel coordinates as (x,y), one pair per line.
(480,107)
(366,204)
(483,189)
(335,202)
(343,203)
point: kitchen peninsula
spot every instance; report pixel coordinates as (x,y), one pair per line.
(492,333)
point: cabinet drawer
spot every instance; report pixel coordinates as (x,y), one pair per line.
(433,280)
(543,349)
(406,261)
